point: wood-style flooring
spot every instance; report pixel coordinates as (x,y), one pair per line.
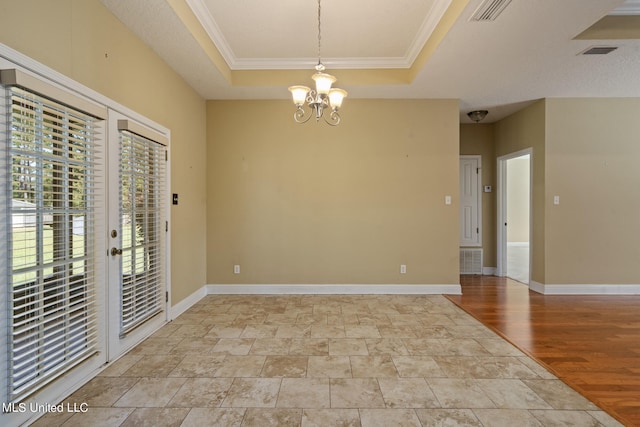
(591,342)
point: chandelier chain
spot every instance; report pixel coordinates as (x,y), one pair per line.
(319,34)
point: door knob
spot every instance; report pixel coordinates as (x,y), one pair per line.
(116,251)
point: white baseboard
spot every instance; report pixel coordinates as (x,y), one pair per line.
(489,271)
(185,304)
(536,287)
(326,289)
(585,289)
(188,302)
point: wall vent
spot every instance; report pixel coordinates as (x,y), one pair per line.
(599,50)
(470,261)
(489,10)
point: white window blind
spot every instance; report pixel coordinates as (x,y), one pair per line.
(53,152)
(142,205)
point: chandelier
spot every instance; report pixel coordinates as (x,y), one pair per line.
(324,97)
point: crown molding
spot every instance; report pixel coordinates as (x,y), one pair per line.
(212,29)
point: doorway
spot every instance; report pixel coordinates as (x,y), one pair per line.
(514,216)
(86,242)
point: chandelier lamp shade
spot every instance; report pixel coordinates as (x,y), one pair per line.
(321,99)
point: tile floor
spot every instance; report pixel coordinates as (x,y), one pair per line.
(343,360)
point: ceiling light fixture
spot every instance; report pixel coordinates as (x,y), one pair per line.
(477,115)
(322,97)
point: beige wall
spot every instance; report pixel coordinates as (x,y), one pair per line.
(478,139)
(91,46)
(310,203)
(313,204)
(593,148)
(584,151)
(522,130)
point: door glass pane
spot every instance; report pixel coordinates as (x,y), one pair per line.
(142,175)
(52,263)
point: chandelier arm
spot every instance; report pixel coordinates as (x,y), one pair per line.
(311,97)
(334,118)
(300,116)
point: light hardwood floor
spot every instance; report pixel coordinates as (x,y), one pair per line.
(335,360)
(592,343)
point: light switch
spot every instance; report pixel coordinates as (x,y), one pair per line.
(556,200)
(447,200)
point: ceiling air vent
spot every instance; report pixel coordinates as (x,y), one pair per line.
(599,50)
(489,10)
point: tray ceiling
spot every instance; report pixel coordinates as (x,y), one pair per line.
(254,49)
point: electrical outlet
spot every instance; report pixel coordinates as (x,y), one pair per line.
(403,269)
(236,269)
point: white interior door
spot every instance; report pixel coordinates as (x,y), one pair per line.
(470,201)
(138,229)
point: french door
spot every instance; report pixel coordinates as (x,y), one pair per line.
(83,232)
(138,228)
(52,263)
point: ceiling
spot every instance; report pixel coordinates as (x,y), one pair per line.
(255,49)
